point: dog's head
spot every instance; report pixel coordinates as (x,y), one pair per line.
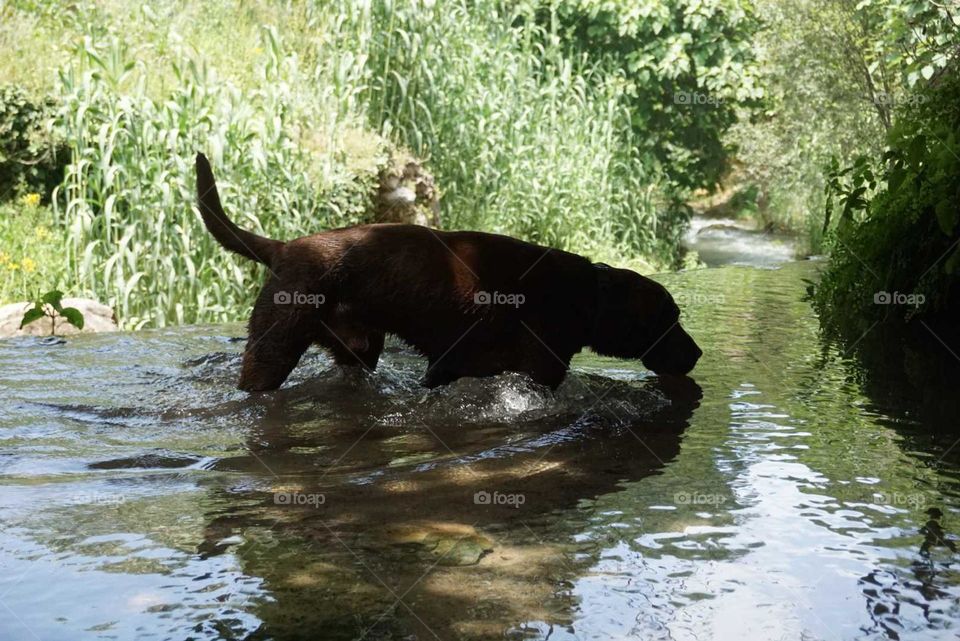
(637,318)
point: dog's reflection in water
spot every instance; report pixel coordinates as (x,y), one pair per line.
(433,528)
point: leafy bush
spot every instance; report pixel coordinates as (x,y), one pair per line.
(835,73)
(31,159)
(896,236)
(689,65)
(898,230)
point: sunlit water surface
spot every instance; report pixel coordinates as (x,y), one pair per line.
(725,241)
(143,497)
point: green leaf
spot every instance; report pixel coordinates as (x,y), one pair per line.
(952,266)
(917,149)
(72,316)
(927,72)
(896,177)
(946,212)
(53,298)
(33,314)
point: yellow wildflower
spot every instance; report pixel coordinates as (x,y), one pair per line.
(258,50)
(28,264)
(42,232)
(31,200)
(12,266)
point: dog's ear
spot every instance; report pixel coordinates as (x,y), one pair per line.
(636,317)
(627,307)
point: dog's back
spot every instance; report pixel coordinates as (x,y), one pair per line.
(426,285)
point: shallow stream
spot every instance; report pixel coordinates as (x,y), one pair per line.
(143,497)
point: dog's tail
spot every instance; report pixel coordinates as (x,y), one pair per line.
(222,228)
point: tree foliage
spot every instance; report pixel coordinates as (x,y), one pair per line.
(31,159)
(897,214)
(688,66)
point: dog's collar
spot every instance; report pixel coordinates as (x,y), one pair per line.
(603,272)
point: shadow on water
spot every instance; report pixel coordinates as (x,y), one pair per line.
(908,374)
(909,371)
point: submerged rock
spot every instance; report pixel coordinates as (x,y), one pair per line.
(463,550)
(449,544)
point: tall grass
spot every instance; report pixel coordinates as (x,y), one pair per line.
(522,138)
(135,239)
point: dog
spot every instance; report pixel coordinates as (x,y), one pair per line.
(473,303)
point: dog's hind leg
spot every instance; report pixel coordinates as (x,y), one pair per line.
(278,336)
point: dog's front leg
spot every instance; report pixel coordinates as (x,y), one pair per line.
(352,346)
(438,374)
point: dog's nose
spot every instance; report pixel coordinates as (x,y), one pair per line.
(676,353)
(695,355)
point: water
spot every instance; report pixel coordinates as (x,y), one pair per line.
(143,497)
(724,241)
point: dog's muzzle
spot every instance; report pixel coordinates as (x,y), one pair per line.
(674,353)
